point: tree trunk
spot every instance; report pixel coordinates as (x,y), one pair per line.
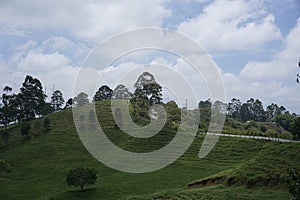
(81,188)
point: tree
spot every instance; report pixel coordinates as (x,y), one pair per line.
(6,110)
(147,88)
(272,111)
(103,93)
(81,177)
(258,111)
(121,92)
(219,106)
(233,108)
(285,120)
(57,100)
(205,108)
(33,97)
(295,128)
(81,99)
(245,112)
(69,103)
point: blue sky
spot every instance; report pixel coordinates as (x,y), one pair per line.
(254,43)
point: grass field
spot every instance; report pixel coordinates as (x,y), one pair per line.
(244,168)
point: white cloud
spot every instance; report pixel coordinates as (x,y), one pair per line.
(37,62)
(232,25)
(282,66)
(93,20)
(273,80)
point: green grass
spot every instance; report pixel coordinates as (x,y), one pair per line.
(39,165)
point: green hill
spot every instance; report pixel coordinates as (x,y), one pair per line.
(237,168)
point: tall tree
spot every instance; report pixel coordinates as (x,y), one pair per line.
(57,100)
(258,111)
(233,108)
(219,106)
(121,92)
(272,111)
(33,97)
(7,110)
(147,88)
(103,93)
(81,99)
(69,103)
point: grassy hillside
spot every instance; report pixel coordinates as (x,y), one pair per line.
(237,168)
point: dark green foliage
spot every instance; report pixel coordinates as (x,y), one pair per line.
(285,120)
(4,166)
(233,108)
(37,127)
(81,177)
(57,100)
(147,89)
(25,128)
(293,181)
(69,103)
(46,124)
(205,108)
(33,97)
(81,99)
(4,136)
(263,129)
(47,109)
(121,92)
(295,128)
(274,110)
(103,93)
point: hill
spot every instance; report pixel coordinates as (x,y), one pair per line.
(237,168)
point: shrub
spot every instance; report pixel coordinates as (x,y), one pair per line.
(5,136)
(293,181)
(270,133)
(253,131)
(46,124)
(263,129)
(81,177)
(4,166)
(25,128)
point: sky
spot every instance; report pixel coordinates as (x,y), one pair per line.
(254,44)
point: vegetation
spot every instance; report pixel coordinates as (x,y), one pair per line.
(25,128)
(4,166)
(236,168)
(259,168)
(293,180)
(81,177)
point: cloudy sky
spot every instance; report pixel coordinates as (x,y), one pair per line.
(255,44)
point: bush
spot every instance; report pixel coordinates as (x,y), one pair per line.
(37,127)
(5,136)
(25,128)
(263,129)
(81,177)
(270,133)
(46,124)
(293,181)
(253,131)
(4,166)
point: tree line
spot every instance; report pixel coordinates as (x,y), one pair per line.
(30,102)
